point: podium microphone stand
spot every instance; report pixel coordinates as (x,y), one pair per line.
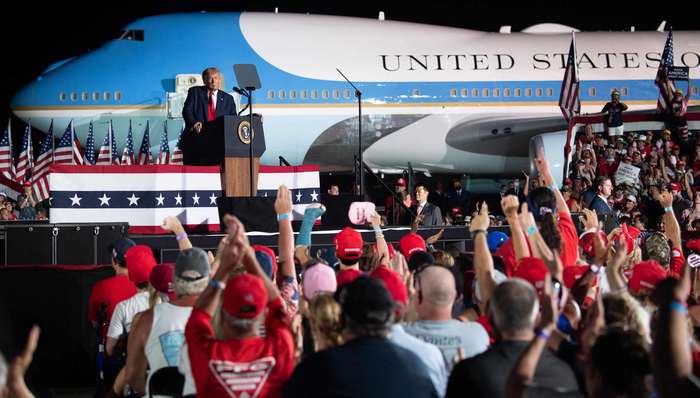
(247,76)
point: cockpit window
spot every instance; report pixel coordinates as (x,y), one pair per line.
(131,34)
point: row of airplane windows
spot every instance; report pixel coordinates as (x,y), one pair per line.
(85,96)
(335,94)
(454,93)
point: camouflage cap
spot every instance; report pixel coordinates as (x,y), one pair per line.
(656,248)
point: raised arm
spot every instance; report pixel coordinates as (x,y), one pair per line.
(542,166)
(382,247)
(673,230)
(671,345)
(509,206)
(523,372)
(174,225)
(283,208)
(483,262)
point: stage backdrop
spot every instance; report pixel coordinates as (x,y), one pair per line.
(144,195)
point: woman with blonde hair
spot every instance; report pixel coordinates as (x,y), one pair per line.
(324,314)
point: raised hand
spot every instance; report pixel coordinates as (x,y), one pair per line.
(509,205)
(172,223)
(666,199)
(590,220)
(283,202)
(480,221)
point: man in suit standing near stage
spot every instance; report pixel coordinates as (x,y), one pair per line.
(458,197)
(431,214)
(203,105)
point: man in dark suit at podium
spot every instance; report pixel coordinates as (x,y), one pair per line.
(203,105)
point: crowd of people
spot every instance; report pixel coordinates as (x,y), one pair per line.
(24,207)
(546,312)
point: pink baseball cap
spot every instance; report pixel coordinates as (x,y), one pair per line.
(318,278)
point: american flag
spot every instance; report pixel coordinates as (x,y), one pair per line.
(177,153)
(40,178)
(569,101)
(7,164)
(90,146)
(164,156)
(666,86)
(128,154)
(68,150)
(108,151)
(145,150)
(26,157)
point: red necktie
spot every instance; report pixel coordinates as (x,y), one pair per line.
(212,111)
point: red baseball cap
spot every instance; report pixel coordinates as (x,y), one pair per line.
(139,263)
(587,242)
(400,182)
(348,244)
(393,283)
(646,275)
(410,243)
(245,296)
(573,273)
(161,279)
(533,270)
(346,276)
(675,186)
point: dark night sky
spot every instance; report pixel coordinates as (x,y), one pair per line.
(46,33)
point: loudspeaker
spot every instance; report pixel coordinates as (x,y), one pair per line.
(256,213)
(29,244)
(64,244)
(105,236)
(75,244)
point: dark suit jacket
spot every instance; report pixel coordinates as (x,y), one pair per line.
(196,108)
(431,215)
(460,200)
(205,148)
(605,214)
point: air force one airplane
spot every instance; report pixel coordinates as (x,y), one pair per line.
(448,100)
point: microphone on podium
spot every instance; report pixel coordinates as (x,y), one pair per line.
(240,91)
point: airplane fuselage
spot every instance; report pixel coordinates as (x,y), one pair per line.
(446,99)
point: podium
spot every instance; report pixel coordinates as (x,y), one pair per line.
(225,141)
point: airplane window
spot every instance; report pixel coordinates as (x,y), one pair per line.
(281,94)
(302,94)
(550,92)
(624,91)
(694,90)
(117,95)
(107,95)
(73,96)
(496,92)
(336,94)
(475,92)
(516,92)
(346,94)
(506,92)
(591,91)
(324,94)
(270,94)
(62,96)
(95,96)
(453,92)
(292,94)
(415,92)
(463,92)
(538,92)
(131,34)
(314,94)
(528,92)
(84,96)
(485,92)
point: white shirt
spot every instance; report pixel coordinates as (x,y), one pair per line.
(167,336)
(124,313)
(449,336)
(215,93)
(428,353)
